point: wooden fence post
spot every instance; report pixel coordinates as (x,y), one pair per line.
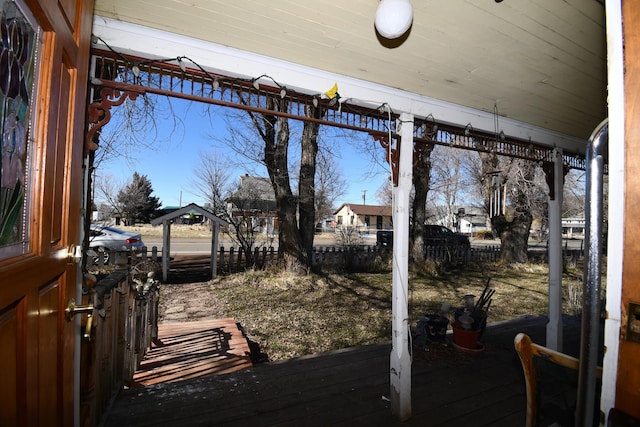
(221,265)
(239,262)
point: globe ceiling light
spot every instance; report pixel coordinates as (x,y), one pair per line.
(393,18)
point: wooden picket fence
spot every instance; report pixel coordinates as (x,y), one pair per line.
(232,260)
(116,340)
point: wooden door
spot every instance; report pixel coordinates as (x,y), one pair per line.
(42,109)
(628,380)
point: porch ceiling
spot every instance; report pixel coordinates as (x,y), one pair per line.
(541,62)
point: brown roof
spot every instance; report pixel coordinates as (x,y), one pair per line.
(372,210)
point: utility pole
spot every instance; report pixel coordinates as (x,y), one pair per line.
(364,197)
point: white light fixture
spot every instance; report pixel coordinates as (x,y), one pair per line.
(393,18)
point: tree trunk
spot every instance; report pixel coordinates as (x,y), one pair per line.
(276,138)
(514,237)
(421,181)
(306,184)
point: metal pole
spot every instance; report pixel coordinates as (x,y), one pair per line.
(590,331)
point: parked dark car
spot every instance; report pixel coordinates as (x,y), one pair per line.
(438,235)
(434,235)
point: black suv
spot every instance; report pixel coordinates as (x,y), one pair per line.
(434,235)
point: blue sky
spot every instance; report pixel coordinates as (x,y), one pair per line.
(178,144)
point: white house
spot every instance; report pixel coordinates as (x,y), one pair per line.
(363,217)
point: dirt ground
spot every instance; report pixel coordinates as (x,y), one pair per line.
(186,302)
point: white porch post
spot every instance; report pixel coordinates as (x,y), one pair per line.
(554,324)
(400,352)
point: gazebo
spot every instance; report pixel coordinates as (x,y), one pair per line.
(166,221)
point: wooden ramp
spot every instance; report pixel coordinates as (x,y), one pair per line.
(188,350)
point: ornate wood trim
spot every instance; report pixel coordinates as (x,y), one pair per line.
(547,168)
(99,112)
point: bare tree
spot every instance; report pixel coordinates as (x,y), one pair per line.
(296,212)
(106,192)
(211,181)
(384,193)
(449,177)
(441,180)
(522,196)
(329,185)
(249,209)
(306,184)
(574,194)
(421,181)
(133,129)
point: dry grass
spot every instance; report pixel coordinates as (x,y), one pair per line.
(290,315)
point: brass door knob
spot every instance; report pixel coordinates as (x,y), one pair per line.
(73,309)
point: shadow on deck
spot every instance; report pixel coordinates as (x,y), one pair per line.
(351,387)
(190,350)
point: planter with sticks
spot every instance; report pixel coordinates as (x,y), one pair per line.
(471,320)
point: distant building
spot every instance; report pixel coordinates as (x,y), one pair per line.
(364,217)
(192,216)
(473,220)
(255,202)
(466,220)
(573,228)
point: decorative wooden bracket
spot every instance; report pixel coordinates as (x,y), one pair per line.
(393,155)
(420,149)
(547,168)
(99,112)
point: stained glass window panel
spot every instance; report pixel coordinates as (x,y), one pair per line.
(18,65)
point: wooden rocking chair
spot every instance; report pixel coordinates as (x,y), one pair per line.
(527,350)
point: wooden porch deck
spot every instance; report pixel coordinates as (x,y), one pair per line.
(351,387)
(188,350)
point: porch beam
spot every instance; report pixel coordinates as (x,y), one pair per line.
(139,40)
(162,77)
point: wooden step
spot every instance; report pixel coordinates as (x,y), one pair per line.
(186,350)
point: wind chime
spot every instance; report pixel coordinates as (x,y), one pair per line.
(497,187)
(497,196)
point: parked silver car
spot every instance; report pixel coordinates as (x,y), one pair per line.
(104,239)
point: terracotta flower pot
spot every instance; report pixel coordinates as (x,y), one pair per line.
(463,337)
